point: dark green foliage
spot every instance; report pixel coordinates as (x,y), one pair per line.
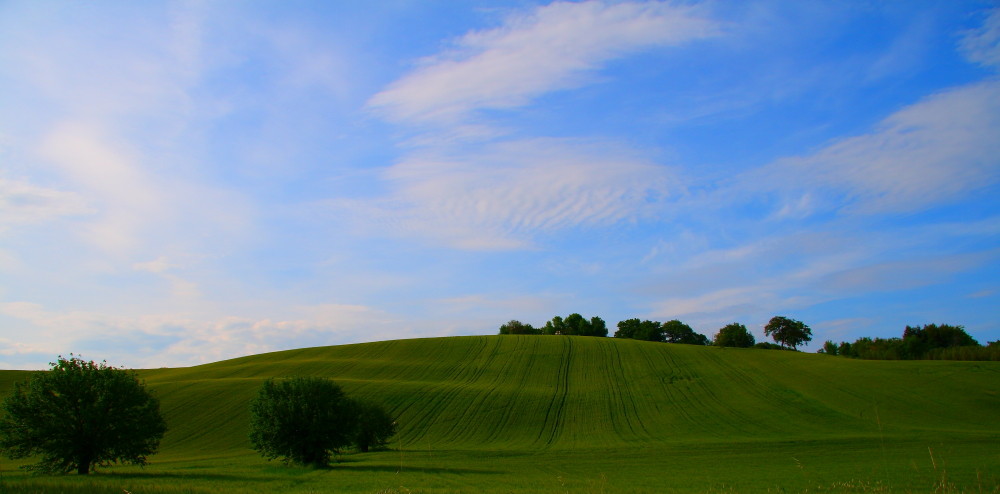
(829,348)
(302,420)
(575,324)
(640,330)
(931,336)
(734,335)
(375,426)
(554,326)
(675,331)
(789,332)
(766,345)
(80,414)
(517,327)
(932,341)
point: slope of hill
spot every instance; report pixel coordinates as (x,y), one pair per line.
(567,393)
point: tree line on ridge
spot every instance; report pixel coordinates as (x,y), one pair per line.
(788,333)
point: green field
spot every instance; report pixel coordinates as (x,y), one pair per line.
(576,414)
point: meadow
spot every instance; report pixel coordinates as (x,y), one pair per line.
(502,414)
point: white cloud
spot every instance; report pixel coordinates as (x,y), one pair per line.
(22,203)
(501,196)
(110,175)
(982,45)
(553,47)
(155,340)
(932,152)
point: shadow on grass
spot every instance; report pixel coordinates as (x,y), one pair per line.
(411,469)
(213,477)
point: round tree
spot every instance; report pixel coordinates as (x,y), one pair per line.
(788,332)
(80,414)
(735,335)
(302,420)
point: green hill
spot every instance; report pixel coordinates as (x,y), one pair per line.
(577,404)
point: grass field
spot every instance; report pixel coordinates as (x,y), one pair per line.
(574,414)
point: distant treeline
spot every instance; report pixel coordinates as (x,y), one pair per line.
(789,332)
(930,342)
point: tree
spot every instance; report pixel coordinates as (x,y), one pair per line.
(302,420)
(734,335)
(829,348)
(788,332)
(79,414)
(517,327)
(640,330)
(598,327)
(375,426)
(575,324)
(555,326)
(677,332)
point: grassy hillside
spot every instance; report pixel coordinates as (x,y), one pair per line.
(551,405)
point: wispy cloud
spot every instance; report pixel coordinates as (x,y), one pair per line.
(22,203)
(934,151)
(549,48)
(500,196)
(982,45)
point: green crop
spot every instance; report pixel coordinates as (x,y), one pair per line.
(577,414)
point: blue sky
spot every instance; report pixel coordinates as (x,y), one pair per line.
(186,182)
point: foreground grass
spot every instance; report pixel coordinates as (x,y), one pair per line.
(591,415)
(847,465)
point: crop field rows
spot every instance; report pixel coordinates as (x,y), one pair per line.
(578,414)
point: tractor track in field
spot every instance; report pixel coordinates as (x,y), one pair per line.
(621,385)
(553,422)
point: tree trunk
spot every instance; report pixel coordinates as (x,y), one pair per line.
(83,467)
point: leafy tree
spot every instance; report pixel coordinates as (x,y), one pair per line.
(788,332)
(931,336)
(734,335)
(375,426)
(575,324)
(302,420)
(640,330)
(555,326)
(79,414)
(517,327)
(830,348)
(598,327)
(675,331)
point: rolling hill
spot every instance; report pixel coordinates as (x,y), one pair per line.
(596,401)
(517,392)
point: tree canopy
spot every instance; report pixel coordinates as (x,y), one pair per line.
(517,327)
(80,414)
(931,341)
(375,426)
(640,330)
(675,331)
(575,324)
(789,332)
(734,335)
(302,420)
